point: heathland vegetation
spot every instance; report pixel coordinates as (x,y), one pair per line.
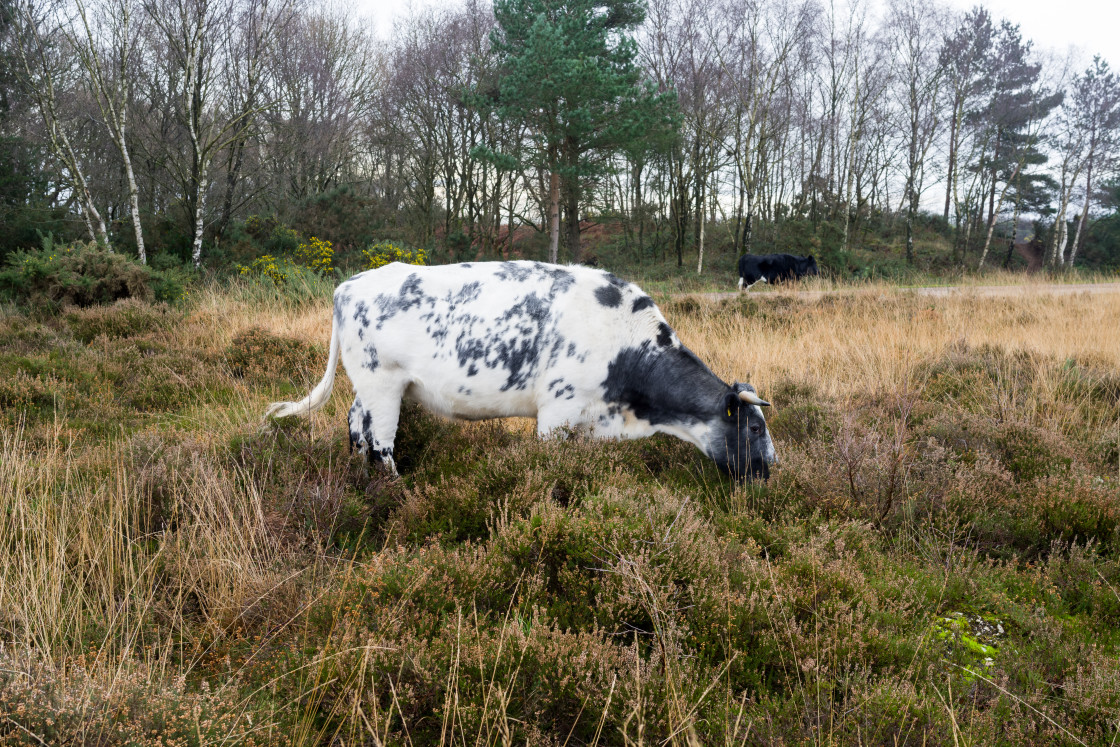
(935,562)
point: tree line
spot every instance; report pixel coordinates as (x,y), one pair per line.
(161,125)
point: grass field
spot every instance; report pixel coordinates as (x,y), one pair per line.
(935,562)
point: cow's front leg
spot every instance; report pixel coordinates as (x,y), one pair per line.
(556,419)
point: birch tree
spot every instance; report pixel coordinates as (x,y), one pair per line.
(104,40)
(912,32)
(45,60)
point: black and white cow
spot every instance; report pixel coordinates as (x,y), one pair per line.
(771,268)
(570,346)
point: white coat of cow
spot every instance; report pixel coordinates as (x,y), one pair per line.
(568,345)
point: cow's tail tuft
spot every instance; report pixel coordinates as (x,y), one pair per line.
(319,395)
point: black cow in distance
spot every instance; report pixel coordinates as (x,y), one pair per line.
(773,268)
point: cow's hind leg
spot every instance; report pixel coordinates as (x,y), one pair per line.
(354,420)
(374,418)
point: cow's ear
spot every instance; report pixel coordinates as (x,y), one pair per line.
(731,405)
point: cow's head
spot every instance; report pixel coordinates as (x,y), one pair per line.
(740,443)
(809,266)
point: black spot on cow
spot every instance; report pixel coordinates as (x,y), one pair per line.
(341,302)
(361,313)
(571,349)
(519,351)
(664,335)
(520,272)
(371,362)
(466,294)
(411,295)
(567,392)
(642,302)
(609,296)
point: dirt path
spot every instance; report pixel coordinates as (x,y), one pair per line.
(942,290)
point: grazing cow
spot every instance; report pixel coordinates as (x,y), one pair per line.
(771,268)
(570,346)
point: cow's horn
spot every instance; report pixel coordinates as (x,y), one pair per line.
(753,399)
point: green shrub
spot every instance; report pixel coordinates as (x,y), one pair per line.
(83,274)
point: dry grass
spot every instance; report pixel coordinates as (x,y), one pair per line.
(173,573)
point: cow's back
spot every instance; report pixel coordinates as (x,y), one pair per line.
(490,339)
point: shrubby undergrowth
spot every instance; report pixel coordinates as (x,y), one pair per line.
(937,560)
(84,274)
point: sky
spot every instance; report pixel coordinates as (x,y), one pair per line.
(1091,25)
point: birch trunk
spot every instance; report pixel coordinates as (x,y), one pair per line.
(112,101)
(994,211)
(700,242)
(44,94)
(1084,213)
(199,203)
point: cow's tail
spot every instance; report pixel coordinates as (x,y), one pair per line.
(319,395)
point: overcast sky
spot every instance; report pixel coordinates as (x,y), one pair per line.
(1057,25)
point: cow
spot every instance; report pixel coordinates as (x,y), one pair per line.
(572,346)
(771,268)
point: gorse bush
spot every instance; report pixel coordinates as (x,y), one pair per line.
(268,267)
(385,252)
(315,254)
(84,274)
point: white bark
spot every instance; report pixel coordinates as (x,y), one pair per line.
(995,213)
(1084,213)
(40,81)
(112,101)
(200,202)
(700,254)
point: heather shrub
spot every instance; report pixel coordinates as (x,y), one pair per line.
(39,393)
(94,701)
(933,562)
(1028,451)
(126,318)
(263,357)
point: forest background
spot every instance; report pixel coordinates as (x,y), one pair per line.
(653,137)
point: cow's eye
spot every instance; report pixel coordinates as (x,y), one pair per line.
(756,428)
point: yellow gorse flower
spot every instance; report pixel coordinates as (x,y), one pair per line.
(385,252)
(267,266)
(316,254)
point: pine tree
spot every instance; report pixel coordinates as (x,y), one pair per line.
(568,75)
(1011,116)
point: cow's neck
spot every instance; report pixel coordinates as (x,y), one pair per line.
(669,388)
